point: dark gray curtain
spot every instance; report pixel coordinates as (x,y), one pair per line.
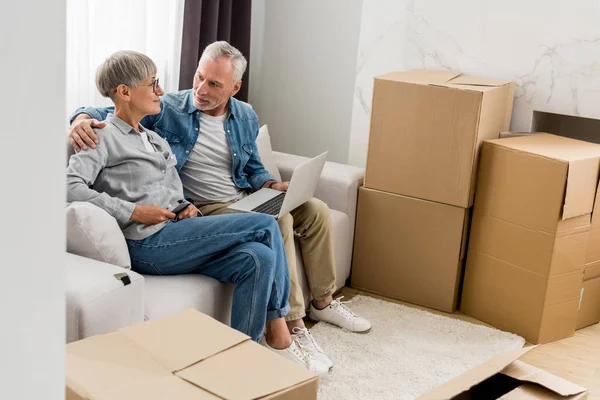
(206,21)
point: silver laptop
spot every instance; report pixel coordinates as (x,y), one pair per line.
(301,189)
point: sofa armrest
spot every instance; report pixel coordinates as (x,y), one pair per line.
(97,301)
(338,185)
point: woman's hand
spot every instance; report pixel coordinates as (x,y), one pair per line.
(190,212)
(151,215)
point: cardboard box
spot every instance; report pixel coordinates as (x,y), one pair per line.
(571,126)
(505,135)
(426,130)
(591,271)
(589,308)
(529,237)
(592,259)
(409,249)
(552,121)
(182,356)
(504,376)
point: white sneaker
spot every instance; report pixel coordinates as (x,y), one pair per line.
(337,313)
(299,355)
(308,342)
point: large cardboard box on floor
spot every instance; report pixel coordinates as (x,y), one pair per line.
(426,130)
(530,232)
(182,356)
(505,376)
(409,249)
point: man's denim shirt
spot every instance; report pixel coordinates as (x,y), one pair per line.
(179,123)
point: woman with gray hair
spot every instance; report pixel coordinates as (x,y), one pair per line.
(132,175)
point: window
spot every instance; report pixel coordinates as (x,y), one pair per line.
(97,28)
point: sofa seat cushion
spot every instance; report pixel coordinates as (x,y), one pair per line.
(96,301)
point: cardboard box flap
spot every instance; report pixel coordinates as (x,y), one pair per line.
(472,83)
(528,373)
(173,340)
(472,377)
(582,181)
(90,377)
(533,392)
(551,146)
(477,81)
(419,76)
(109,360)
(582,160)
(170,387)
(258,371)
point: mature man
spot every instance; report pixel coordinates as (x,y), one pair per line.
(213,136)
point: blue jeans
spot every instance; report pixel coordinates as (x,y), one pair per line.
(244,249)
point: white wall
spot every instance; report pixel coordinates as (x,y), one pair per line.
(550,48)
(303,73)
(32,173)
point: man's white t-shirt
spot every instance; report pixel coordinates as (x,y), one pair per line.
(207,174)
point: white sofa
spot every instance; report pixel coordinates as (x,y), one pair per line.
(98,301)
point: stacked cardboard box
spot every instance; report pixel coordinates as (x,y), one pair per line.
(586,129)
(533,236)
(589,306)
(413,213)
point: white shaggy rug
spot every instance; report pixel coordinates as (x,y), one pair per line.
(407,352)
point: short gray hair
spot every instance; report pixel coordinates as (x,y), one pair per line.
(220,49)
(123,67)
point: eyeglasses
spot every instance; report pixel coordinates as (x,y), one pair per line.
(154,85)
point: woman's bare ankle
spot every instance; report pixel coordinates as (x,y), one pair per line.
(277,334)
(279,343)
(297,323)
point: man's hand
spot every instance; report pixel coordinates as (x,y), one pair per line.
(151,215)
(81,134)
(281,186)
(190,212)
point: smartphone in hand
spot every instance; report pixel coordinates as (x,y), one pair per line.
(179,209)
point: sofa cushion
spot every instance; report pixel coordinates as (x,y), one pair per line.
(263,142)
(93,233)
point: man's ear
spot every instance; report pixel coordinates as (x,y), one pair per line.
(123,92)
(236,88)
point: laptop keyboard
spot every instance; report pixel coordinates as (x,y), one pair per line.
(272,206)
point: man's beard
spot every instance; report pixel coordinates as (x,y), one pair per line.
(209,106)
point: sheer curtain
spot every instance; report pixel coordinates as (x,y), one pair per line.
(97,28)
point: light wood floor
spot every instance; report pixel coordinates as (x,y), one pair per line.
(576,359)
